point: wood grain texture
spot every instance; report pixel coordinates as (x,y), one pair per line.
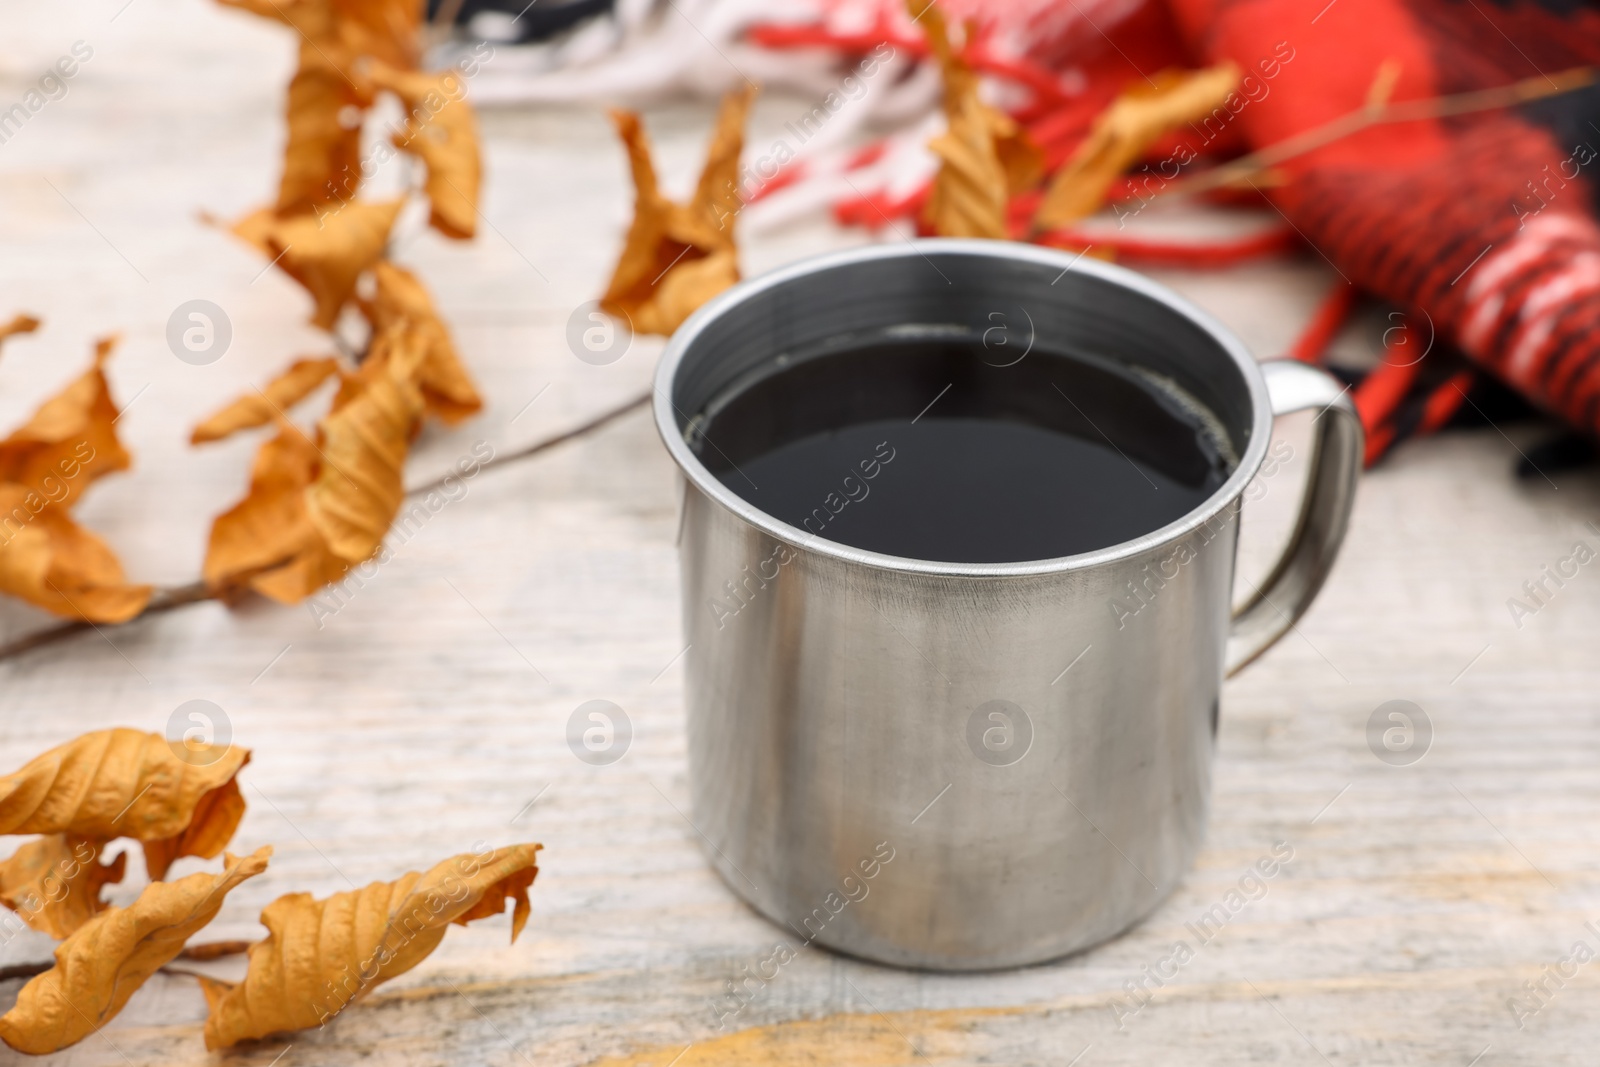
(429,711)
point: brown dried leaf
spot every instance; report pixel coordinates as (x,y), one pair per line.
(216,816)
(253,229)
(70,441)
(331,90)
(101,965)
(985,157)
(265,405)
(650,249)
(320,956)
(53,563)
(267,542)
(128,783)
(1124,132)
(294,13)
(716,196)
(322,159)
(328,254)
(400,298)
(46,558)
(314,509)
(359,487)
(678,256)
(442,131)
(386,30)
(53,882)
(325,253)
(18,324)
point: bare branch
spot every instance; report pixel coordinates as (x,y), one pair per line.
(178,596)
(1381,114)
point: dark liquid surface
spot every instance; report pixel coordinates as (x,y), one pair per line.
(925,450)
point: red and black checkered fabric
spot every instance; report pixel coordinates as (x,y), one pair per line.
(1482,224)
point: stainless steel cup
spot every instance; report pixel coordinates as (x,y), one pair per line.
(969,766)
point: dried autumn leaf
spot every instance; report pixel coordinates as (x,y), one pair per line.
(386,30)
(18,324)
(716,195)
(325,253)
(267,542)
(314,509)
(127,783)
(985,157)
(263,406)
(320,956)
(359,488)
(102,964)
(53,882)
(1125,131)
(678,256)
(312,18)
(253,229)
(267,9)
(53,563)
(70,441)
(46,558)
(216,816)
(322,158)
(399,297)
(442,131)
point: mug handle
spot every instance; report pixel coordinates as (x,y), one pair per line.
(1338,447)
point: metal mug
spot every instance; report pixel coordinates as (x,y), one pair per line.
(973,766)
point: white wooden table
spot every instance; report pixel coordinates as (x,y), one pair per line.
(412,724)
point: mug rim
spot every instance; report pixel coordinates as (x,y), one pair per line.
(682,340)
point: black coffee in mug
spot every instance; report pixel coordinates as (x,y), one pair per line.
(929,448)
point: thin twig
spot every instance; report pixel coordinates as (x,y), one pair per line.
(534,449)
(213,950)
(1382,115)
(33,970)
(177,596)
